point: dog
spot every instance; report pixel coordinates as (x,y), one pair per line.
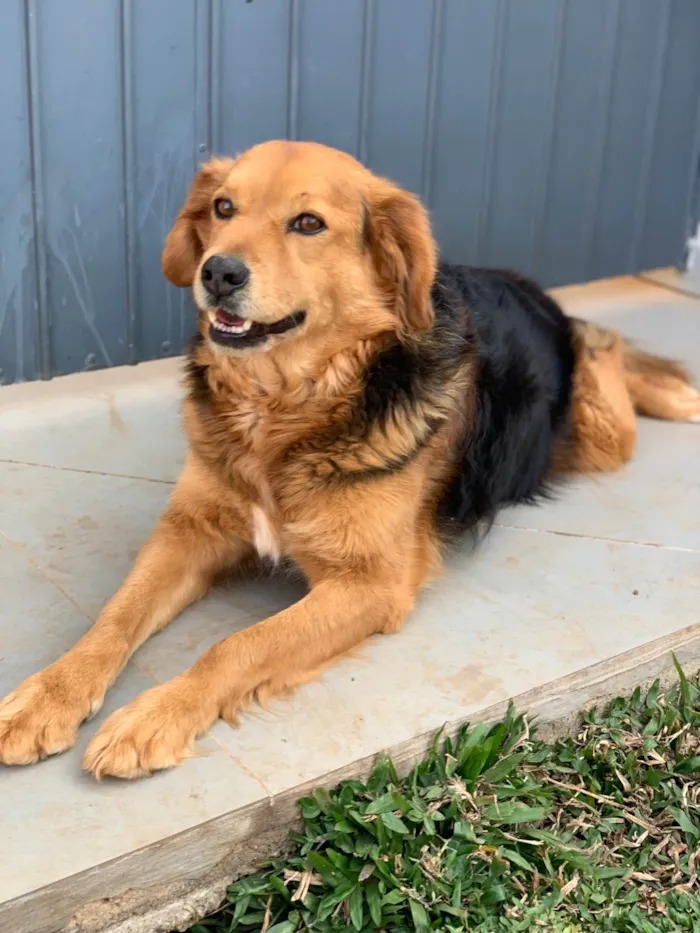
(351,405)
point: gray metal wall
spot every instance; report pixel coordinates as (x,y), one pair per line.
(555,136)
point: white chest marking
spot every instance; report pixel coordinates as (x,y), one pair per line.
(264,538)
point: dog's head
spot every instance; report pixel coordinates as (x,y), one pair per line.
(295,238)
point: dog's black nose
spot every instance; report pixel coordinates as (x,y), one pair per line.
(223,275)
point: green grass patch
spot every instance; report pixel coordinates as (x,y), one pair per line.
(499,832)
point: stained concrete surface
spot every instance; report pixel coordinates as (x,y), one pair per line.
(86,465)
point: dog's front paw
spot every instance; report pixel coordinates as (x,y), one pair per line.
(155,731)
(41,717)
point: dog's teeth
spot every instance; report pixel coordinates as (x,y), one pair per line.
(233,328)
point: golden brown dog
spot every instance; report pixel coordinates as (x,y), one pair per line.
(349,404)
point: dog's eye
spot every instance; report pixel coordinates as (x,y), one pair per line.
(308,224)
(224,209)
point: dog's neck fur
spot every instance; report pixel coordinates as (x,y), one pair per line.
(268,403)
(345,412)
(284,377)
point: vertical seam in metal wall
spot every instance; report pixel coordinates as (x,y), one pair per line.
(598,161)
(293,71)
(693,180)
(642,203)
(366,67)
(434,71)
(214,54)
(543,186)
(693,174)
(128,169)
(487,178)
(37,183)
(202,128)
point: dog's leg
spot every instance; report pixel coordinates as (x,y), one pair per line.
(660,388)
(613,382)
(603,420)
(175,567)
(157,729)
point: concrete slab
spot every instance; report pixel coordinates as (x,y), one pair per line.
(99,422)
(682,280)
(561,602)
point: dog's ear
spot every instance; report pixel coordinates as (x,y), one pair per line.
(397,233)
(187,240)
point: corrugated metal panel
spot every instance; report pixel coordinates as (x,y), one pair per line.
(20,347)
(556,136)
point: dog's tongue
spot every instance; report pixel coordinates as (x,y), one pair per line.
(232,320)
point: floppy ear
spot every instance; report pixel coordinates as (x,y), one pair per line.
(398,234)
(187,240)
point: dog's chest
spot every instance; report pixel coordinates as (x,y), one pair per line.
(255,429)
(265,540)
(255,435)
(264,509)
(251,473)
(261,427)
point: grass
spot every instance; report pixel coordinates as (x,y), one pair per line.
(498,832)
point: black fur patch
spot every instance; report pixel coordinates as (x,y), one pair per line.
(195,374)
(405,373)
(405,376)
(525,363)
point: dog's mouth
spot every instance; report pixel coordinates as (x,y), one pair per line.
(232,330)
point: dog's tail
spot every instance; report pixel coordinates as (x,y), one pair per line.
(658,387)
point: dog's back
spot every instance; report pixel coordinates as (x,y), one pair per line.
(524,377)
